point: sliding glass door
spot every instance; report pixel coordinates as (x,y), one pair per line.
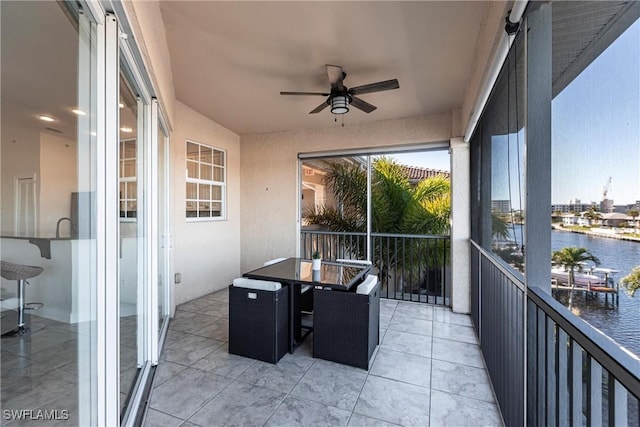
(50,178)
(389,208)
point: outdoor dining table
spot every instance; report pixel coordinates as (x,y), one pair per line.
(297,272)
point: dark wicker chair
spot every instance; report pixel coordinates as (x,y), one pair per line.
(258,319)
(346,325)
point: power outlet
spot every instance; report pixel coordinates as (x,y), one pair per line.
(177,278)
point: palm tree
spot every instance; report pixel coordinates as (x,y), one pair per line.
(632,280)
(573,258)
(499,227)
(633,213)
(397,207)
(592,215)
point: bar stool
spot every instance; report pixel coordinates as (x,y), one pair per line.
(21,273)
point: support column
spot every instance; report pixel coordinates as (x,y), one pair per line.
(460,226)
(538,176)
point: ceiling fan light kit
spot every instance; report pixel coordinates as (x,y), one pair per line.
(341,97)
(340,104)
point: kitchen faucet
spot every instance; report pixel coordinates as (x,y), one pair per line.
(58,225)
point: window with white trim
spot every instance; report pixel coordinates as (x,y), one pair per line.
(128,179)
(206,182)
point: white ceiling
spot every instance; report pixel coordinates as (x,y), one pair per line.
(230,60)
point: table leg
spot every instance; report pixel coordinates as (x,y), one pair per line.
(292,340)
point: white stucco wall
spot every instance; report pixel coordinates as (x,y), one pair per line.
(460,226)
(58,179)
(491,30)
(206,254)
(146,22)
(269,171)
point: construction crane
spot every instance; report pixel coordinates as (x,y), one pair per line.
(606,189)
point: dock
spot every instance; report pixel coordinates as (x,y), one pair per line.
(594,290)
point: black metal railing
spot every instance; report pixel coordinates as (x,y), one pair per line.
(498,304)
(560,370)
(410,267)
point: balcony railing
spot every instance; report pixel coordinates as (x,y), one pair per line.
(410,267)
(557,371)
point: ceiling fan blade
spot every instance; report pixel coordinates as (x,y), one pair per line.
(374,87)
(362,105)
(304,93)
(319,108)
(335,74)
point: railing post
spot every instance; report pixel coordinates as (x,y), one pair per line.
(575,401)
(617,403)
(562,401)
(594,393)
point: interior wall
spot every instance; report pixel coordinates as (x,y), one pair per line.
(269,171)
(58,178)
(20,159)
(206,253)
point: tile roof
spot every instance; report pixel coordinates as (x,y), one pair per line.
(418,173)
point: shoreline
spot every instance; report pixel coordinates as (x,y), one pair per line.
(556,227)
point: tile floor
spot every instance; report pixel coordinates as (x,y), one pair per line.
(40,371)
(427,371)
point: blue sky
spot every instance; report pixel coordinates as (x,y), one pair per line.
(436,159)
(596,127)
(595,133)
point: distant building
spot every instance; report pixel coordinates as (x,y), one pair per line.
(606,206)
(502,206)
(626,208)
(573,206)
(416,174)
(615,219)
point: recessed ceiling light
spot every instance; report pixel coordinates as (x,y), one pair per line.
(46,118)
(120,104)
(126,129)
(78,112)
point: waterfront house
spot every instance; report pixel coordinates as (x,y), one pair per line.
(148,160)
(616,219)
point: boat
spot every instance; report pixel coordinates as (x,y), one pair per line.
(596,280)
(581,279)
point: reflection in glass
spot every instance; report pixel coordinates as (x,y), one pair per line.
(206,171)
(205,192)
(503,135)
(162,227)
(205,154)
(131,244)
(192,190)
(192,169)
(218,174)
(218,158)
(54,168)
(192,151)
(216,193)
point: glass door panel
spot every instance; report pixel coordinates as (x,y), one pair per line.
(49,166)
(131,157)
(334,207)
(163,242)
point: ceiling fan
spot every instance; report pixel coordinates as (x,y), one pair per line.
(341,97)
